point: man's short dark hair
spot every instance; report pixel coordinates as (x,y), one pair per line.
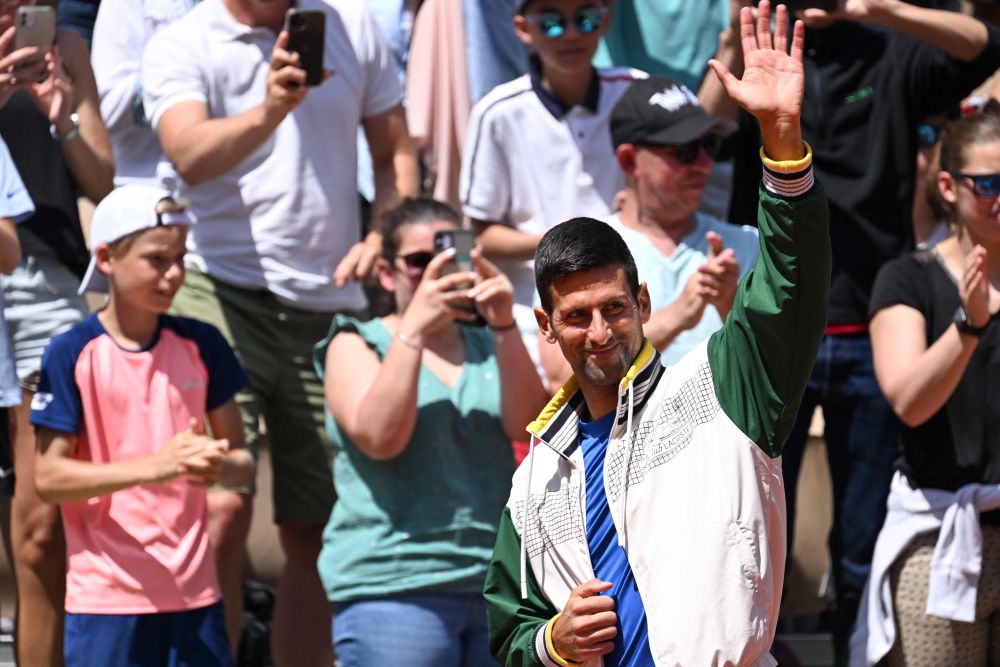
(578,245)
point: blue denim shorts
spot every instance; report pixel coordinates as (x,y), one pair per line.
(41,301)
(419,630)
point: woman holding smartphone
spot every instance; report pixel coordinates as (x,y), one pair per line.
(50,120)
(936,346)
(421,411)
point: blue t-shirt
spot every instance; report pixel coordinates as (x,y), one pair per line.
(609,559)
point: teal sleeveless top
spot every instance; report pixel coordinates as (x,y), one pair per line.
(426,520)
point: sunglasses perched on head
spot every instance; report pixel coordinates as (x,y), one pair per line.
(553,24)
(417,261)
(986,186)
(689,152)
(928,135)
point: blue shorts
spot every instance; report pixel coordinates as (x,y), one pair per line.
(194,638)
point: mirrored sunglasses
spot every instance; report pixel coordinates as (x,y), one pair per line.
(986,186)
(553,24)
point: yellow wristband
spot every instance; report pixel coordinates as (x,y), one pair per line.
(788,166)
(551,648)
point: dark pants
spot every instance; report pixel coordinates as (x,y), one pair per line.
(861,440)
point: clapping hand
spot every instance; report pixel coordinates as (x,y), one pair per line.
(719,276)
(974,289)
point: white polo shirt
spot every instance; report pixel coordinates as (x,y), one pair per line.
(530,164)
(285,216)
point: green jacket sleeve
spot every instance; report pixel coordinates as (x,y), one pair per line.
(764,354)
(514,623)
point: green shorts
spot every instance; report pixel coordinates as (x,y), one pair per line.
(274,342)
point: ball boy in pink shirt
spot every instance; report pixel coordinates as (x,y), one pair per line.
(120,415)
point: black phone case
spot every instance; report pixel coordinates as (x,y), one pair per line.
(306,33)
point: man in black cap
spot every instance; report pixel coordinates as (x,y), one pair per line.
(665,144)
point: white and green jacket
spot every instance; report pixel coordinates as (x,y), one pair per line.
(692,471)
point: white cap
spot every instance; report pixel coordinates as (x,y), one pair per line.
(128,209)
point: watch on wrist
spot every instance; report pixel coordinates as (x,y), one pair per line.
(963,324)
(70,133)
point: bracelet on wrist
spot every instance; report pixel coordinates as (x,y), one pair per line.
(504,327)
(74,129)
(550,646)
(409,342)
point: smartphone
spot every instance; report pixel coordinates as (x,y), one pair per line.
(35,26)
(306,34)
(462,240)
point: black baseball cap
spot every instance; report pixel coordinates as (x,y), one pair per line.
(660,111)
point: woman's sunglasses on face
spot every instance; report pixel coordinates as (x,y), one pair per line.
(553,24)
(986,186)
(416,262)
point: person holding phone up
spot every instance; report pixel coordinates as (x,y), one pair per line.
(422,408)
(268,165)
(50,120)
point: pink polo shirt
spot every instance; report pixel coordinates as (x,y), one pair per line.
(143,549)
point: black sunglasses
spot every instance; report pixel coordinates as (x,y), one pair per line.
(553,24)
(928,135)
(689,152)
(417,261)
(986,186)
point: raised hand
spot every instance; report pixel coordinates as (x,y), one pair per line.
(586,628)
(773,80)
(20,68)
(54,95)
(437,299)
(493,294)
(974,289)
(286,81)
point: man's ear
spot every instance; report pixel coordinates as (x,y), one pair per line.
(626,159)
(544,325)
(386,276)
(645,305)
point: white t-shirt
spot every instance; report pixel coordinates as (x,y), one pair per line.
(284,217)
(530,165)
(666,276)
(121,31)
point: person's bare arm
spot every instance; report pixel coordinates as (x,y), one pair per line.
(711,94)
(522,395)
(10,248)
(500,242)
(394,162)
(918,380)
(957,34)
(375,404)
(60,478)
(71,88)
(203,148)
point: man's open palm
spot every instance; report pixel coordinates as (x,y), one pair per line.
(773,81)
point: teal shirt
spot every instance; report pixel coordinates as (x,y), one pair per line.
(426,520)
(672,38)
